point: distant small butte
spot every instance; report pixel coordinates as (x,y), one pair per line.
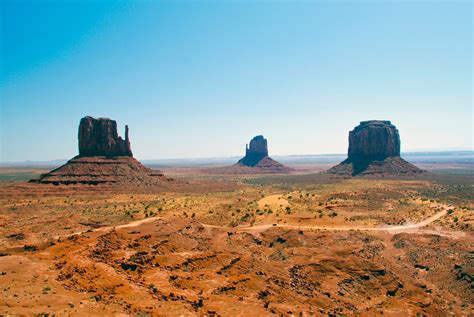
(255,161)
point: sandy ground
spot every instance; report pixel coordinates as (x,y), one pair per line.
(273,201)
(222,246)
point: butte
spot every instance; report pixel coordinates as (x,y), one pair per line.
(255,161)
(104,158)
(374,149)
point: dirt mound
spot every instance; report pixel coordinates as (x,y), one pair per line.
(266,165)
(386,167)
(96,170)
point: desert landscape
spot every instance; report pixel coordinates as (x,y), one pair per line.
(238,158)
(106,235)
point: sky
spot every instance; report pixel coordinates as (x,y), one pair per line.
(201,78)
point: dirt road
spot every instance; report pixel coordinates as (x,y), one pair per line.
(411,227)
(402,228)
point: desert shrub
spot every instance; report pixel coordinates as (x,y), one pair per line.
(245,217)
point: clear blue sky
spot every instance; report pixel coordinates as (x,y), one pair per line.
(200,78)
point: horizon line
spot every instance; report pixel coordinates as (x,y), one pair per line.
(447,150)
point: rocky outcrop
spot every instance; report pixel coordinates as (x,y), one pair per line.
(374,141)
(254,153)
(256,158)
(374,149)
(99,137)
(255,161)
(258,145)
(104,158)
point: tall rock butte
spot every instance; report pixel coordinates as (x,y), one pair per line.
(99,137)
(256,159)
(104,158)
(254,153)
(374,149)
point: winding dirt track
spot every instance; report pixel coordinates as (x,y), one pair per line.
(393,229)
(413,227)
(409,228)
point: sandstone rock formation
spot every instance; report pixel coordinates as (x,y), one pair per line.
(374,141)
(99,137)
(104,158)
(255,161)
(374,149)
(254,153)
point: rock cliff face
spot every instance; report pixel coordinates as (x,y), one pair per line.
(254,153)
(374,149)
(99,137)
(258,145)
(374,140)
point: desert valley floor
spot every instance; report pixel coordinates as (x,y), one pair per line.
(209,244)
